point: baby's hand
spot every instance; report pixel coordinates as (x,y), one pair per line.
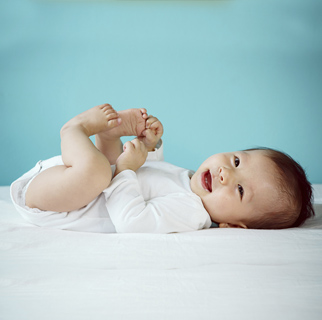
(152,134)
(133,157)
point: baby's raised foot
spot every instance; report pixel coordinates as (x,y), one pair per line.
(132,123)
(101,118)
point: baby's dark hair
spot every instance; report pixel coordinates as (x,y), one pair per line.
(295,194)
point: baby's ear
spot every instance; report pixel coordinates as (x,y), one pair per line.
(230,225)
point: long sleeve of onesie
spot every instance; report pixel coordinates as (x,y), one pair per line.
(170,210)
(130,213)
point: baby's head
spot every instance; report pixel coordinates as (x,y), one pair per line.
(256,188)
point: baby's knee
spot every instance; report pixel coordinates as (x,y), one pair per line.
(65,128)
(97,172)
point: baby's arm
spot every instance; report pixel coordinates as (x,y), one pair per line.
(133,157)
(130,212)
(152,134)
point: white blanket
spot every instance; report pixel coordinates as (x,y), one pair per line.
(209,274)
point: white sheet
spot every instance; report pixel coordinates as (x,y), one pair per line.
(209,274)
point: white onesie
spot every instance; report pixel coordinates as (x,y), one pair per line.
(157,198)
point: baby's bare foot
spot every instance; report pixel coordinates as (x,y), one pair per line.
(133,122)
(101,118)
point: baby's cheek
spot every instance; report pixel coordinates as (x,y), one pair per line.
(213,205)
(222,202)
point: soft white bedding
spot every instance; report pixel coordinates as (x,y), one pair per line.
(208,274)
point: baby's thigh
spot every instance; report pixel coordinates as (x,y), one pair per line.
(62,189)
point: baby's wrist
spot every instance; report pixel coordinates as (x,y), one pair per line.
(149,147)
(152,147)
(119,169)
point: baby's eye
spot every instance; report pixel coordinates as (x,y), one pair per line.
(241,191)
(237,161)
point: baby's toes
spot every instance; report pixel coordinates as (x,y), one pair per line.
(112,117)
(113,122)
(111,114)
(106,106)
(108,109)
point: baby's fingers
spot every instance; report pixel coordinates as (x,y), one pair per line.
(138,145)
(128,146)
(155,125)
(157,128)
(149,135)
(151,120)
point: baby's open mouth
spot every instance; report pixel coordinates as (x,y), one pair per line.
(206,181)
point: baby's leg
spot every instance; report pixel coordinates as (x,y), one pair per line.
(86,171)
(133,122)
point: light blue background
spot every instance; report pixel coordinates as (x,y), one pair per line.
(221,75)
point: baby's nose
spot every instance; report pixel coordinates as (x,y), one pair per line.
(223,175)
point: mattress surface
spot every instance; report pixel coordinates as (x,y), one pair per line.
(207,274)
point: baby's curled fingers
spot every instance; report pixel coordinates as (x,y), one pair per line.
(133,157)
(128,146)
(139,145)
(136,143)
(149,135)
(150,120)
(154,124)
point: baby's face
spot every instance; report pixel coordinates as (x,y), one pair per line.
(235,187)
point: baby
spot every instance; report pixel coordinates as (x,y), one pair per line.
(114,188)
